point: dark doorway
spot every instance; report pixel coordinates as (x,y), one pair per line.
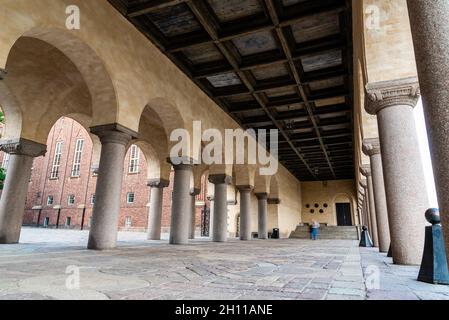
(344,214)
(205,221)
(237,234)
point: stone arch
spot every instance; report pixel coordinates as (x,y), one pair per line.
(61,76)
(226,169)
(198,174)
(165,116)
(261,183)
(274,188)
(91,67)
(11,110)
(244,175)
(153,142)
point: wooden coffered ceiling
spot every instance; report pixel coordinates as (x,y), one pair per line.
(270,64)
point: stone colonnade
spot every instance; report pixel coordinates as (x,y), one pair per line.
(103,233)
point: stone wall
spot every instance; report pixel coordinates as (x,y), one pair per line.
(327,193)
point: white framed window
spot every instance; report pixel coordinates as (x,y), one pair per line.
(71,199)
(130,197)
(134,159)
(92,199)
(76,167)
(56,161)
(68,221)
(128,222)
(5,161)
(50,200)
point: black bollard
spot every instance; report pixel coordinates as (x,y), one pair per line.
(434,264)
(366,239)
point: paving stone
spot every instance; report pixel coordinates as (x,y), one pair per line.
(139,269)
(347,291)
(391,295)
(343,297)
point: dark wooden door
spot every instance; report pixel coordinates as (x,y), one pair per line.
(344,214)
(205,221)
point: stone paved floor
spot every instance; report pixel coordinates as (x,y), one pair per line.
(257,270)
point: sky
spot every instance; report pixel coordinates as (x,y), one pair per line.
(425,154)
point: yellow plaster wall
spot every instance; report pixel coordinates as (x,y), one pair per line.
(330,192)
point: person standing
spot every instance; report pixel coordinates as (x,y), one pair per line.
(315,229)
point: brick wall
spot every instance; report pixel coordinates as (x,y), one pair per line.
(42,185)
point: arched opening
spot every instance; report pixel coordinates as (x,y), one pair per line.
(62,185)
(52,74)
(55,83)
(344,210)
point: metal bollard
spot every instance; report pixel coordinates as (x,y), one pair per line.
(434,264)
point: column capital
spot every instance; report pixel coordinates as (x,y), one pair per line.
(158,183)
(274,201)
(24,147)
(365,170)
(220,179)
(114,133)
(262,195)
(195,191)
(243,188)
(179,161)
(3,73)
(371,146)
(384,94)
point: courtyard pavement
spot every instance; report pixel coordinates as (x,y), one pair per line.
(46,265)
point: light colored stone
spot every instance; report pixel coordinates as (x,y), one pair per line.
(393,102)
(371,147)
(430,32)
(155,210)
(13,197)
(103,231)
(181,205)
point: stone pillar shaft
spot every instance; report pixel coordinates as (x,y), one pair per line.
(430,31)
(181,205)
(380,200)
(371,147)
(220,215)
(155,211)
(12,202)
(245,212)
(105,217)
(193,195)
(372,210)
(393,102)
(262,215)
(367,212)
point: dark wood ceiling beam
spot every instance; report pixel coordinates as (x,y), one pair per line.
(306,47)
(244,107)
(204,17)
(318,45)
(325,73)
(312,7)
(150,6)
(287,51)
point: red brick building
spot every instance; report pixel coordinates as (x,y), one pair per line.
(61,192)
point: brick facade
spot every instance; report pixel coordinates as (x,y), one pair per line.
(82,187)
